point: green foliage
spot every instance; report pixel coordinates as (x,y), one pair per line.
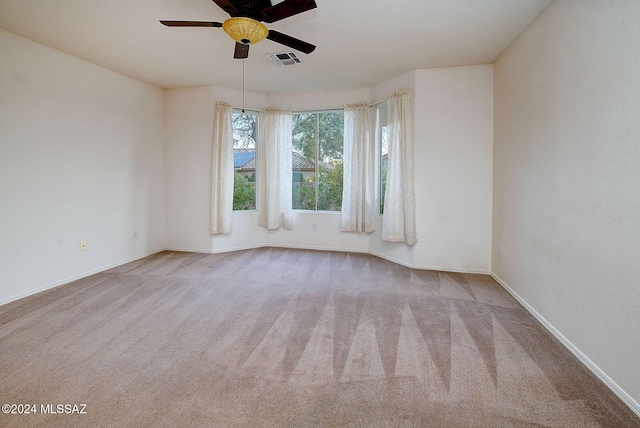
(244,193)
(384,164)
(383,188)
(327,127)
(330,187)
(331,133)
(324,131)
(329,190)
(304,134)
(310,132)
(304,195)
(244,125)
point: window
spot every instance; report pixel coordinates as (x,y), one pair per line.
(245,129)
(383,153)
(317,160)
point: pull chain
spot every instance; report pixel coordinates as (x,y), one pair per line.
(243,85)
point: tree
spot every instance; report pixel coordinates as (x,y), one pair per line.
(329,189)
(304,194)
(330,186)
(383,188)
(384,164)
(331,135)
(244,193)
(304,134)
(323,131)
(327,128)
(244,125)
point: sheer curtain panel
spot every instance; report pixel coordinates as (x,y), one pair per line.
(222,170)
(274,169)
(358,205)
(399,218)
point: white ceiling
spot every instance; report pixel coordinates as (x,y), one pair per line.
(359,42)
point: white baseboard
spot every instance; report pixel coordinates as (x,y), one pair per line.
(626,398)
(425,267)
(346,250)
(189,250)
(217,250)
(74,278)
(311,247)
(252,247)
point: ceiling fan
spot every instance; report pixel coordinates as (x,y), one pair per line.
(245,25)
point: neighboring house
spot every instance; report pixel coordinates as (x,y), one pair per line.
(244,162)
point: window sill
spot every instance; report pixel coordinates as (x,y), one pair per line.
(317,212)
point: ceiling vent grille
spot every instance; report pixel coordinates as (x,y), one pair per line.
(285,58)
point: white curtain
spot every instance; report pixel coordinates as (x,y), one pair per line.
(358,205)
(399,218)
(222,170)
(274,169)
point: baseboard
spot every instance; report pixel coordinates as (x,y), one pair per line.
(215,251)
(189,250)
(252,247)
(307,247)
(626,398)
(346,250)
(74,278)
(425,267)
(453,270)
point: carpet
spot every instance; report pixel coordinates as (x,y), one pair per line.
(276,337)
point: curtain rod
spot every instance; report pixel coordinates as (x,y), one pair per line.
(258,110)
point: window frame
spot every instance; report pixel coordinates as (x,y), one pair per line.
(379,146)
(317,113)
(255,113)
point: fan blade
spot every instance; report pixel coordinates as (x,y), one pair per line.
(191,24)
(286,9)
(226,6)
(242,51)
(292,42)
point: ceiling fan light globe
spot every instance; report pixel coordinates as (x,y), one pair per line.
(245,30)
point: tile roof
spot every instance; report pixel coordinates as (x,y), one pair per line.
(301,162)
(242,158)
(245,160)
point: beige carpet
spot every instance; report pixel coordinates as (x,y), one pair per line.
(290,338)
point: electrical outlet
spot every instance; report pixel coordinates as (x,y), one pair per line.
(500,249)
(135,234)
(314,226)
(83,245)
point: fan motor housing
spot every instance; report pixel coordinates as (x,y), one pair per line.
(245,30)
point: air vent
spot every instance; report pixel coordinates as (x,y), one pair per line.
(285,58)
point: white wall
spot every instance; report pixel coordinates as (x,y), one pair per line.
(567,192)
(453,137)
(318,100)
(81,158)
(188,125)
